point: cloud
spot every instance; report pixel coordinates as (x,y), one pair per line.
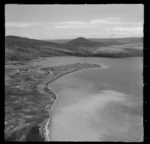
(20,24)
(113,31)
(108,21)
(129,30)
(73,24)
(102,27)
(95,23)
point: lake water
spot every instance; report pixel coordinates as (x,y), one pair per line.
(98,104)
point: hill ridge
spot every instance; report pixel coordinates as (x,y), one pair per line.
(21,48)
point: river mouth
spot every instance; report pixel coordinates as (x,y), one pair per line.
(92,105)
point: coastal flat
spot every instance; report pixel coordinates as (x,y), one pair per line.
(28,100)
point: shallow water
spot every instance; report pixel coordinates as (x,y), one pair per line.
(98,104)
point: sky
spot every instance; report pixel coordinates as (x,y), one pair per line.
(70,21)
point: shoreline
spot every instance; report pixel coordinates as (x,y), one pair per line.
(48,123)
(33,82)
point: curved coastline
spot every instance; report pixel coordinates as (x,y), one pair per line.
(29,109)
(30,100)
(48,90)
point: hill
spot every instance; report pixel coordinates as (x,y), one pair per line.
(83,42)
(21,48)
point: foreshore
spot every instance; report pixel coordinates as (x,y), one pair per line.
(30,99)
(48,123)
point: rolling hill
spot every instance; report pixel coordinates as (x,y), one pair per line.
(21,48)
(83,42)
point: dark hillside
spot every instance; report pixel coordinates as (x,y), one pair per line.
(21,48)
(80,42)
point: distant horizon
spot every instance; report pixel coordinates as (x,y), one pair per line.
(68,21)
(74,37)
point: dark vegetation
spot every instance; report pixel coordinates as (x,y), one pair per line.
(20,48)
(34,135)
(28,100)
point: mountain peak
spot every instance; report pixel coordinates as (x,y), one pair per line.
(82,38)
(80,41)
